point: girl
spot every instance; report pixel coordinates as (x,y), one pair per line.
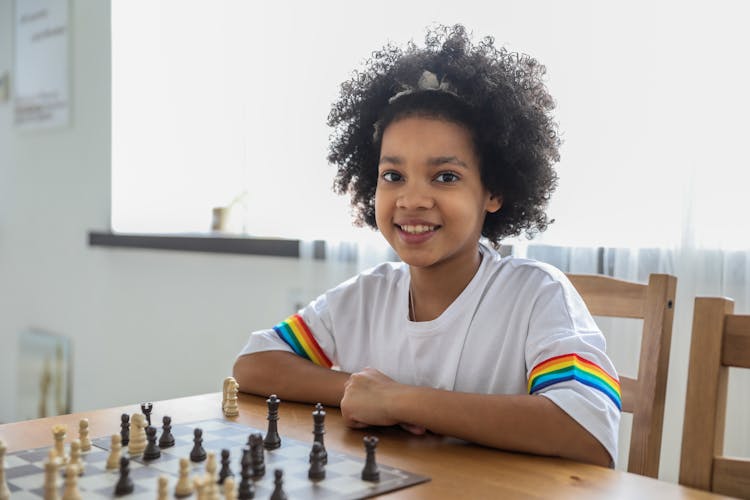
(438,147)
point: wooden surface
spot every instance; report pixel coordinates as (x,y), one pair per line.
(644,396)
(457,469)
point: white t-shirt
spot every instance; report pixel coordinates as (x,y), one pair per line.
(519,327)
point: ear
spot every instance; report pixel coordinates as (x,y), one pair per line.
(494,202)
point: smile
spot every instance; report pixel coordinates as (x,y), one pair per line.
(417,229)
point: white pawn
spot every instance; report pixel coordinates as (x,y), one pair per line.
(75,456)
(137,434)
(211,489)
(83,434)
(200,488)
(113,460)
(51,467)
(229,492)
(71,484)
(163,488)
(184,487)
(4,491)
(58,432)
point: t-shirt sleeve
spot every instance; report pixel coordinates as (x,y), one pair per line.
(308,334)
(566,361)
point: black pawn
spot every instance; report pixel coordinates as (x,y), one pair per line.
(319,430)
(125,429)
(317,467)
(197,454)
(246,490)
(257,455)
(167,439)
(370,472)
(124,485)
(146,409)
(278,484)
(225,471)
(152,451)
(272,439)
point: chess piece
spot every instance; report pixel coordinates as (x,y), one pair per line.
(146,410)
(167,439)
(225,471)
(75,456)
(152,451)
(124,429)
(319,416)
(229,404)
(370,472)
(58,432)
(162,487)
(247,489)
(184,487)
(272,439)
(278,485)
(317,469)
(124,484)
(71,491)
(229,492)
(137,434)
(51,467)
(113,460)
(199,484)
(257,455)
(197,454)
(4,490)
(211,488)
(83,434)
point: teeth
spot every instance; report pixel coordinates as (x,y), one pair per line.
(417,229)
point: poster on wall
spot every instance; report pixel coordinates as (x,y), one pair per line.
(41,60)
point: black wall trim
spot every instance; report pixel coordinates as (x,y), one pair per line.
(205,243)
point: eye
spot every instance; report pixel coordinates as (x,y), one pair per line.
(391,176)
(447,177)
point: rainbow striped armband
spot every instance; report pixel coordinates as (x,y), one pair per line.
(574,367)
(295,332)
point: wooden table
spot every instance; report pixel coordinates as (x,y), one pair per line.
(457,469)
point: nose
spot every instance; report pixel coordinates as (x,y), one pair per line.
(415,195)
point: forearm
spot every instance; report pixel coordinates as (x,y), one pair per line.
(531,424)
(290,377)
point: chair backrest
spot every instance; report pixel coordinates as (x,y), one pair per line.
(720,340)
(644,395)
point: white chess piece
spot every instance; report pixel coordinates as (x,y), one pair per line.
(51,467)
(230,406)
(75,456)
(4,491)
(59,431)
(83,434)
(230,493)
(71,491)
(199,483)
(163,487)
(225,392)
(184,486)
(211,488)
(137,434)
(113,460)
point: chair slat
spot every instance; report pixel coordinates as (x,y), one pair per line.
(736,350)
(611,297)
(731,477)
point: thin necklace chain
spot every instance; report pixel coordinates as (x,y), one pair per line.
(412,312)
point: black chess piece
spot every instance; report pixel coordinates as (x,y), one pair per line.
(272,439)
(152,451)
(225,471)
(317,469)
(319,430)
(278,485)
(246,489)
(167,439)
(197,454)
(257,454)
(146,410)
(370,472)
(124,484)
(124,429)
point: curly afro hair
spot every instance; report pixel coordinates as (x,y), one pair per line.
(498,95)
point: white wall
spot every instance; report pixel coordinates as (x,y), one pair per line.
(146,325)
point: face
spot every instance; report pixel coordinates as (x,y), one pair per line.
(430,203)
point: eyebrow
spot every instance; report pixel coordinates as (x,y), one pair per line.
(436,161)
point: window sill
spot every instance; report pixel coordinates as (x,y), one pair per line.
(209,242)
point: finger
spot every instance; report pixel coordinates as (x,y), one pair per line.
(414,429)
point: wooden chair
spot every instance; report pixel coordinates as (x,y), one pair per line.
(720,340)
(643,396)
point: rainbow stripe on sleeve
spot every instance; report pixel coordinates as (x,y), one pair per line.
(574,367)
(294,331)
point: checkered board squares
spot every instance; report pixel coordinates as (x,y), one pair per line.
(25,469)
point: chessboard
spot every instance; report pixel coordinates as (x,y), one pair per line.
(24,470)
